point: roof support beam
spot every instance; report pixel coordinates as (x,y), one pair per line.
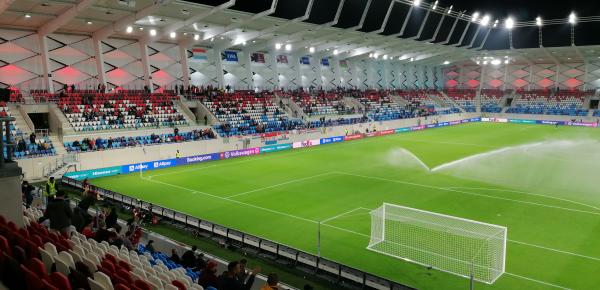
(108,30)
(235,25)
(190,21)
(65,17)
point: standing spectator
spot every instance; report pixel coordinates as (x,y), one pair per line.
(50,188)
(175,257)
(32,138)
(272,282)
(208,276)
(188,259)
(150,247)
(26,190)
(243,272)
(111,218)
(59,213)
(229,280)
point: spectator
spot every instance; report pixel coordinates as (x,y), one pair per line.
(26,190)
(208,276)
(243,272)
(150,247)
(32,138)
(229,280)
(188,259)
(175,257)
(59,213)
(111,218)
(272,282)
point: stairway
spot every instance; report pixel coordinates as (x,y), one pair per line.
(190,118)
(478,101)
(58,145)
(446,101)
(399,100)
(20,119)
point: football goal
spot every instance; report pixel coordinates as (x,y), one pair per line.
(467,248)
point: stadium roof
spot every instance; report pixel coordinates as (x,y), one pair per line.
(400,30)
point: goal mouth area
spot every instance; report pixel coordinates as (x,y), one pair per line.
(465,248)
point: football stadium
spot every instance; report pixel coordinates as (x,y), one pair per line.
(299,144)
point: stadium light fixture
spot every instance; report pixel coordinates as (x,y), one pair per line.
(152,32)
(196,37)
(375,55)
(417,3)
(495,23)
(172,34)
(385,56)
(485,20)
(434,5)
(477,62)
(509,23)
(243,43)
(311,49)
(141,28)
(573,18)
(495,62)
(412,59)
(370,55)
(446,62)
(288,47)
(538,21)
(450,9)
(475,16)
(485,62)
(278,46)
(27,15)
(335,52)
(89,22)
(129,29)
(506,61)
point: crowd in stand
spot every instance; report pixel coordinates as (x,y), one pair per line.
(64,221)
(95,144)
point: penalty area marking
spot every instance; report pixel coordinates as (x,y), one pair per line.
(343,214)
(280,184)
(316,222)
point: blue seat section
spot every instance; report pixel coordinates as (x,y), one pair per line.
(92,144)
(159,256)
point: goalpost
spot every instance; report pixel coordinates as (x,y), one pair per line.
(466,248)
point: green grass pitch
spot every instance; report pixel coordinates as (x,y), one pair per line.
(541,182)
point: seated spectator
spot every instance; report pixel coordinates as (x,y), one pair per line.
(208,275)
(229,280)
(272,282)
(150,247)
(175,257)
(188,259)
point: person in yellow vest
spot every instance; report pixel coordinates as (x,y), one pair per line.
(346,131)
(177,154)
(50,188)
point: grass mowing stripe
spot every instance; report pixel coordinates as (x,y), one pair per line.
(528,193)
(280,184)
(537,281)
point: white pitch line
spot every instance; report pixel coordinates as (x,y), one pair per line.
(470,193)
(340,215)
(525,192)
(555,250)
(280,184)
(537,281)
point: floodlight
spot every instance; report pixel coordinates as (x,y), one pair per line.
(196,36)
(509,23)
(311,49)
(485,20)
(446,62)
(417,2)
(450,9)
(434,5)
(27,15)
(152,32)
(277,46)
(475,16)
(288,47)
(538,21)
(172,34)
(572,18)
(335,52)
(506,61)
(496,62)
(129,29)
(385,56)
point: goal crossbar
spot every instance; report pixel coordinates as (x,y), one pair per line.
(459,246)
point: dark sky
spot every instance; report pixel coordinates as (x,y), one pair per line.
(523,10)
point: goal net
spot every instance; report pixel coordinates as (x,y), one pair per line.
(458,246)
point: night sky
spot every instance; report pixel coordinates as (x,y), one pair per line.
(523,10)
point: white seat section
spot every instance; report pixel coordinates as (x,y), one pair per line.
(62,266)
(104,280)
(67,258)
(156,282)
(170,287)
(76,256)
(90,264)
(47,259)
(140,272)
(51,249)
(95,285)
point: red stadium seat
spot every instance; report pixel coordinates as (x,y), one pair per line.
(49,286)
(36,266)
(4,247)
(60,281)
(32,281)
(121,287)
(142,285)
(179,285)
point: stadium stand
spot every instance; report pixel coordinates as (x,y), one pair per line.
(544,102)
(26,146)
(490,100)
(464,98)
(321,103)
(94,144)
(380,107)
(90,111)
(245,113)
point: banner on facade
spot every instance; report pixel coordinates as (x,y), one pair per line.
(282,59)
(199,55)
(305,60)
(258,57)
(325,62)
(229,55)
